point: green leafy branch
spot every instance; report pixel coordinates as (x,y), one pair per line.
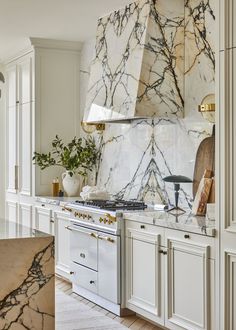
(79,155)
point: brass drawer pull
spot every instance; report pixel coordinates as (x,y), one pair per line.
(142,227)
(186,236)
(108,239)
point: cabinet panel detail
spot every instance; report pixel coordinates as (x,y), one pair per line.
(187,286)
(143,262)
(228,132)
(12,169)
(25,149)
(25,80)
(230,290)
(25,214)
(62,246)
(12,211)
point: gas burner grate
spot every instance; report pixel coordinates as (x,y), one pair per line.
(113,205)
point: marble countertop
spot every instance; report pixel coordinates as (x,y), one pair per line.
(185,222)
(55,200)
(12,230)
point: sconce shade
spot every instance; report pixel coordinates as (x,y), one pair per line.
(177,179)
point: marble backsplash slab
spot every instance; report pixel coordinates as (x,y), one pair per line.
(135,157)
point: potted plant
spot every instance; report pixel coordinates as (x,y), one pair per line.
(77,157)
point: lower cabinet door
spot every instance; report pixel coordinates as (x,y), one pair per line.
(62,245)
(188,286)
(109,267)
(25,214)
(43,220)
(144,289)
(12,211)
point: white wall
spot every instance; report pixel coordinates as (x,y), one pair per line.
(2,147)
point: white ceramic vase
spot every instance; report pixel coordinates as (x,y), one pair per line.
(71,184)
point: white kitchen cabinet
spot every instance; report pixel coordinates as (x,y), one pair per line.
(144,274)
(189,276)
(42,101)
(12,211)
(227,24)
(19,126)
(25,214)
(170,276)
(62,245)
(226,159)
(44,220)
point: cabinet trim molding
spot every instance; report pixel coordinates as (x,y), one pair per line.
(229,295)
(197,250)
(152,239)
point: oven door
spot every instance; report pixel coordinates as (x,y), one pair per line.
(109,267)
(84,246)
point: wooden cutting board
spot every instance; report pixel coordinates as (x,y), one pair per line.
(205,159)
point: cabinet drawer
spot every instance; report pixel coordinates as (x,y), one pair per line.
(189,238)
(84,277)
(144,228)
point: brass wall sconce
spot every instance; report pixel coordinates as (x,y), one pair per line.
(90,128)
(207,108)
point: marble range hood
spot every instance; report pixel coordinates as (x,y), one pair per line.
(138,68)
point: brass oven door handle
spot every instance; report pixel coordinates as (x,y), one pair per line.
(108,239)
(94,235)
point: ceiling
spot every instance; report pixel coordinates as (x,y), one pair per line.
(73,20)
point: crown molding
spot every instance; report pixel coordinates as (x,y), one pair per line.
(56,44)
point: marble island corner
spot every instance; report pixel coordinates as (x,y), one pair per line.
(27,270)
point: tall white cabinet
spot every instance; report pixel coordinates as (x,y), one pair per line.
(227,161)
(42,101)
(20,107)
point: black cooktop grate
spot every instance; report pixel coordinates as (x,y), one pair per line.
(113,205)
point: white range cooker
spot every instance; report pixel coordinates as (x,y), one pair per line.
(97,251)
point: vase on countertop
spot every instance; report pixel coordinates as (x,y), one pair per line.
(71,183)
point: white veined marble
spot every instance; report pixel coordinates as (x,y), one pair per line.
(135,157)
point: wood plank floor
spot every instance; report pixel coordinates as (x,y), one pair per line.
(75,312)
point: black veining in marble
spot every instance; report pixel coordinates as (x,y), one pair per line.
(14,306)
